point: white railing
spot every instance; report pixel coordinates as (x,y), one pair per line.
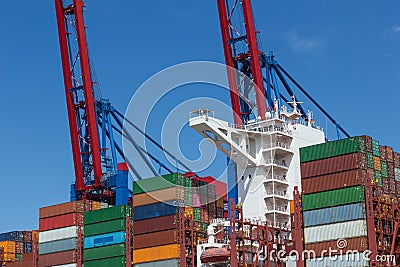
(279,225)
(281,163)
(276,177)
(281,209)
(277,144)
(276,193)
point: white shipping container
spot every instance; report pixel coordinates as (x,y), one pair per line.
(397,173)
(335,231)
(58,234)
(351,260)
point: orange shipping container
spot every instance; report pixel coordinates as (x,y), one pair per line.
(9,247)
(65,208)
(377,163)
(158,196)
(156,253)
(291,206)
(9,256)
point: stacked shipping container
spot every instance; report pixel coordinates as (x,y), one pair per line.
(60,236)
(159,204)
(333,178)
(17,245)
(107,239)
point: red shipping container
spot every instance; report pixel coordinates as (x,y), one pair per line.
(155,239)
(57,222)
(333,181)
(359,244)
(59,258)
(368,142)
(155,224)
(65,208)
(396,159)
(333,165)
(27,263)
(383,153)
(389,154)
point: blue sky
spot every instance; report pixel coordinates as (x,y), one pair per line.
(346,53)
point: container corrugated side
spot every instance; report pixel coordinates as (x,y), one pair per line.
(334,215)
(57,234)
(108,262)
(350,244)
(155,224)
(166,263)
(156,253)
(162,195)
(105,227)
(157,183)
(57,222)
(333,198)
(353,260)
(21,264)
(55,259)
(104,252)
(335,231)
(154,210)
(332,149)
(64,208)
(333,181)
(332,165)
(57,246)
(9,246)
(104,240)
(108,214)
(155,239)
(17,236)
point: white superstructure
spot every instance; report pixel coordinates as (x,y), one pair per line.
(267,157)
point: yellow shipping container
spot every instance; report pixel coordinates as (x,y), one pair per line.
(156,253)
(158,196)
(189,211)
(9,247)
(291,206)
(9,257)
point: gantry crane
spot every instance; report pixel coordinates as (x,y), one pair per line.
(93,121)
(244,59)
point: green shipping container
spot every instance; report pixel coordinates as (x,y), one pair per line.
(332,149)
(196,215)
(376,148)
(105,227)
(378,178)
(157,183)
(333,198)
(370,160)
(109,214)
(188,197)
(104,252)
(384,169)
(109,262)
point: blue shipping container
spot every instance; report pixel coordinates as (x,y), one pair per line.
(17,236)
(104,240)
(155,210)
(27,247)
(334,215)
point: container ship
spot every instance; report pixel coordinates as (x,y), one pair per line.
(292,198)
